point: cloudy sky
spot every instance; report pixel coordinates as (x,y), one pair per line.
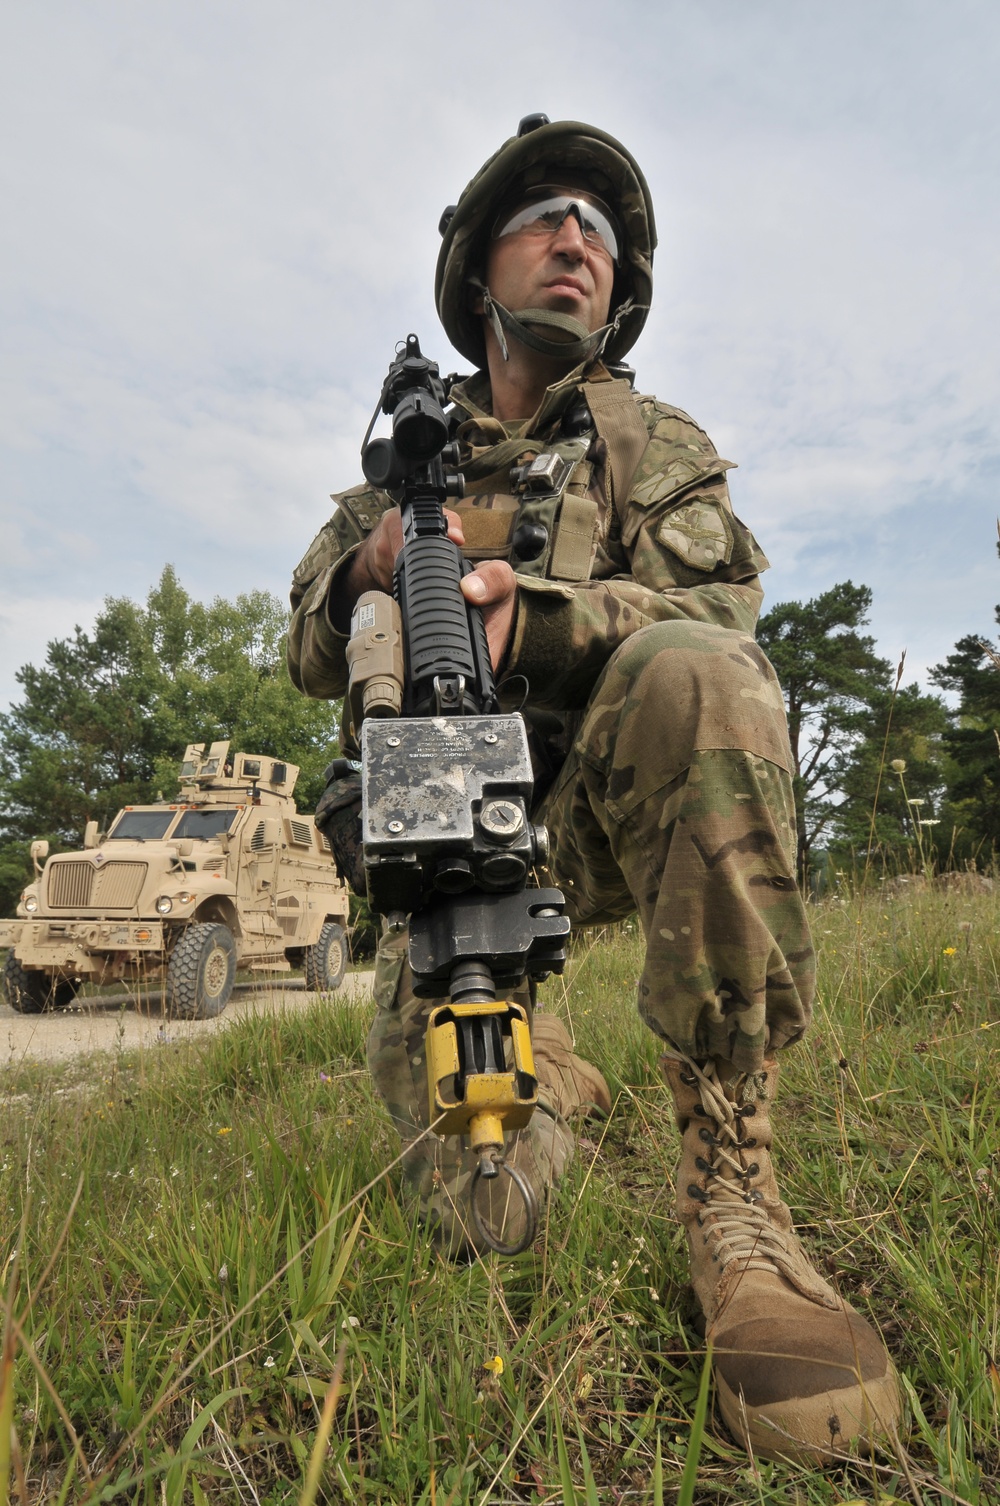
(219,218)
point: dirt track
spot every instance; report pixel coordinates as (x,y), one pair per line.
(113,1022)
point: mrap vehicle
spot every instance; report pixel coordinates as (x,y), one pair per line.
(227,875)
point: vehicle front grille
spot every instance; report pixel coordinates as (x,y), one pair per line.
(78,885)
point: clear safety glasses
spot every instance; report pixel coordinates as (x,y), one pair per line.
(544,211)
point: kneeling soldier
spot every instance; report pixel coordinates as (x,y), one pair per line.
(623,593)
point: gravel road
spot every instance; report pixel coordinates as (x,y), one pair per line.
(112,1022)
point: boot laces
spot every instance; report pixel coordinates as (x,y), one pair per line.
(730,1205)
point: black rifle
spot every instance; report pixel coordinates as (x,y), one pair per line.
(448,841)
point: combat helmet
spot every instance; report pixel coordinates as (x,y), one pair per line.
(543,152)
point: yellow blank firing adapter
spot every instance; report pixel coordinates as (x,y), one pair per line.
(481,1079)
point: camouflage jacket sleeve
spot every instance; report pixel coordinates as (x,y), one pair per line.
(316,650)
(675,550)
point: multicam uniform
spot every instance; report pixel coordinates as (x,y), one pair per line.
(657,729)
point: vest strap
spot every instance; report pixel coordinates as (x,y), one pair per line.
(576,538)
(620,424)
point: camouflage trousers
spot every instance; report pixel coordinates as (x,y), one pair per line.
(675,803)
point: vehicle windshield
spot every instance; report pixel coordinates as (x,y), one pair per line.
(202,824)
(141,826)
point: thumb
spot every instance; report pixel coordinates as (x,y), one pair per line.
(474,587)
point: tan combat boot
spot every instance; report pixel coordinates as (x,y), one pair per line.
(799,1373)
(566,1082)
(569,1088)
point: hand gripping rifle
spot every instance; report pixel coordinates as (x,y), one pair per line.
(447,837)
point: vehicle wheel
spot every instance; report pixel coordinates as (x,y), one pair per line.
(326,961)
(64,993)
(33,992)
(200,973)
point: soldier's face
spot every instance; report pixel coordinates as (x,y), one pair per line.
(560,271)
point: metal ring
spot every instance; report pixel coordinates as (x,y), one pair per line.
(529,1199)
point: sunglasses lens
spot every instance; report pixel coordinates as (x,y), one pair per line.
(544,214)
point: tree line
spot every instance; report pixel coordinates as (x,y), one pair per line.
(885,770)
(881,769)
(104,721)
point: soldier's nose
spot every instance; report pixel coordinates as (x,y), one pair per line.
(568,239)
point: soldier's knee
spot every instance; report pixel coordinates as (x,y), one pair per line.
(675,687)
(677,658)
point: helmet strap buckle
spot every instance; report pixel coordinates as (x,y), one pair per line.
(582,344)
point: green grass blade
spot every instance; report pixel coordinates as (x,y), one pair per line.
(689,1478)
(658,1471)
(177,1474)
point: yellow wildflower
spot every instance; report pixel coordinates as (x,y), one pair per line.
(494,1366)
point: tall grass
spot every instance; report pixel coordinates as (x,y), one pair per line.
(211,1292)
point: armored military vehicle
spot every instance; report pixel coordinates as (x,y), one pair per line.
(227,875)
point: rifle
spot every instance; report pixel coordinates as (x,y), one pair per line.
(447,839)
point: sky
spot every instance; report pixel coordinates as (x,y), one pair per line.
(220,219)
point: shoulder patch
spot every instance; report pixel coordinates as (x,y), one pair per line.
(698,532)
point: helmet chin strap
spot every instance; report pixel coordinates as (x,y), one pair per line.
(572,342)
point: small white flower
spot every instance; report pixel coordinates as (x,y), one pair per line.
(269,1362)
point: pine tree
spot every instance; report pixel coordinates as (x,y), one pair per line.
(841,698)
(972,742)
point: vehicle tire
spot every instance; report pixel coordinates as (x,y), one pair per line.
(326,961)
(31,992)
(201,972)
(64,993)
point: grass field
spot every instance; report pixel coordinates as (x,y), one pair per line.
(212,1292)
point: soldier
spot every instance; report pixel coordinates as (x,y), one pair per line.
(627,607)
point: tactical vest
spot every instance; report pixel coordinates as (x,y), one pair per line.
(530,501)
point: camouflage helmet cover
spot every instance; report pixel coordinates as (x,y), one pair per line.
(542,154)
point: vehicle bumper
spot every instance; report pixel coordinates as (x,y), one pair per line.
(78,945)
(10,931)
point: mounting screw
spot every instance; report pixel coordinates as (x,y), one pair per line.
(501,820)
(395,827)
